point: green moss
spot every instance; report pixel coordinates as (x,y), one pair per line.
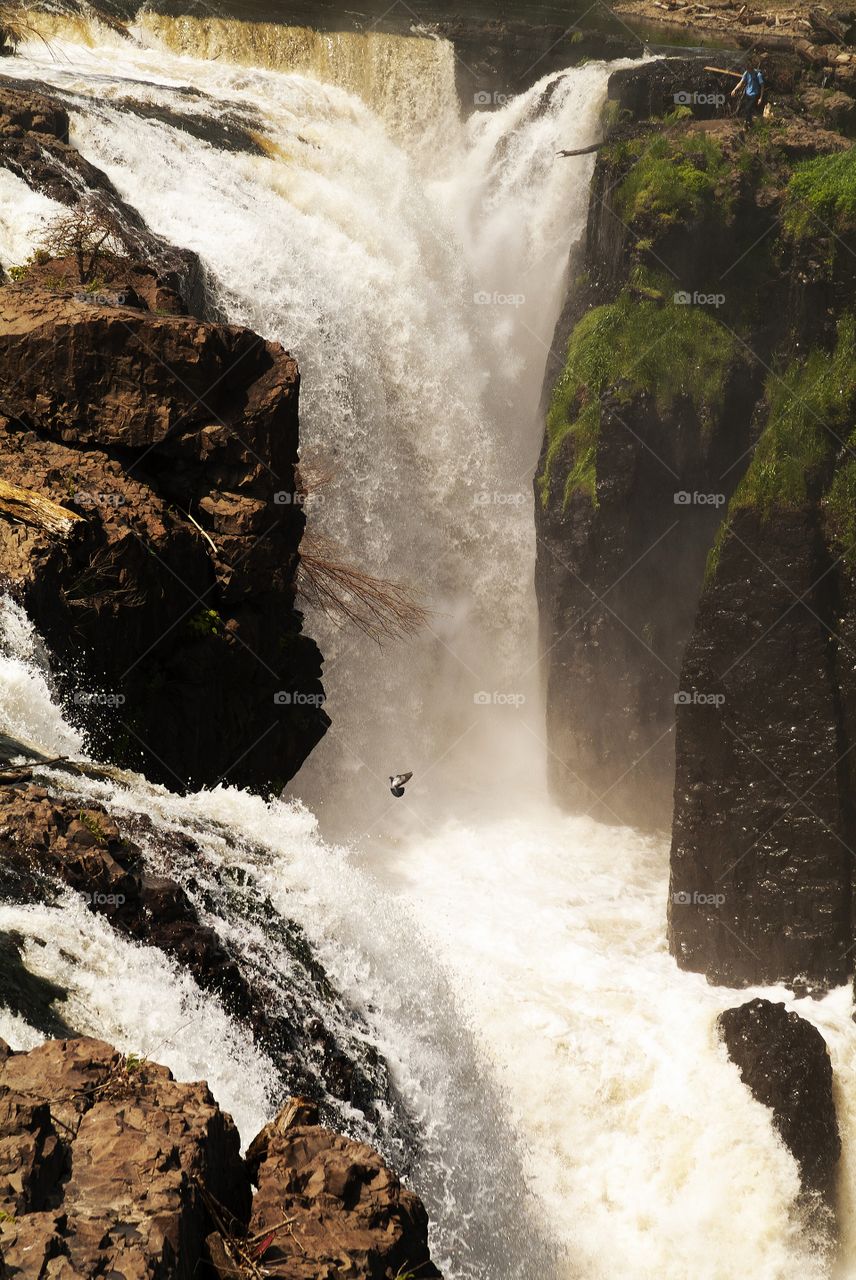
(671,351)
(610,116)
(822,194)
(93,826)
(840,509)
(811,405)
(205,622)
(673,177)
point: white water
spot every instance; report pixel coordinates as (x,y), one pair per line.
(509,960)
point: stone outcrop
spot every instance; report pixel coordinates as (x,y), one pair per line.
(622,543)
(109,1166)
(784,1062)
(351,1215)
(761,862)
(171,606)
(34,145)
(101,1162)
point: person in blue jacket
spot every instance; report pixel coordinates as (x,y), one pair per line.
(752,85)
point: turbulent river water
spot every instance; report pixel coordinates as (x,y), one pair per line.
(577,1115)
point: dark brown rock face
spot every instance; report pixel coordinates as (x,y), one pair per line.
(618,585)
(784,1062)
(620,570)
(109,1167)
(351,1215)
(724,629)
(101,1162)
(173,600)
(761,862)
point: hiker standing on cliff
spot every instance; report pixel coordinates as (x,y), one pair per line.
(752,85)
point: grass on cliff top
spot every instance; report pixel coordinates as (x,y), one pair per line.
(810,413)
(822,193)
(671,351)
(673,179)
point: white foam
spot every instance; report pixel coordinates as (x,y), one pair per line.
(24,213)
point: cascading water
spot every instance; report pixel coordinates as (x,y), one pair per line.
(577,1115)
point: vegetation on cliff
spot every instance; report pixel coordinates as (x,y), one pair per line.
(810,404)
(674,176)
(670,350)
(821,195)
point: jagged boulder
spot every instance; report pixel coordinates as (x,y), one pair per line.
(784,1062)
(351,1216)
(101,1163)
(110,1167)
(171,606)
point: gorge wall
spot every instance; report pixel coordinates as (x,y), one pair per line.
(694,510)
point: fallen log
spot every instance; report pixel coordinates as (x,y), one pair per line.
(34,761)
(827,25)
(583,151)
(30,507)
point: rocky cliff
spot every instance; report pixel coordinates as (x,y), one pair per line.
(169,601)
(694,520)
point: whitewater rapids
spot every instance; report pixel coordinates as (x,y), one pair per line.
(580,1117)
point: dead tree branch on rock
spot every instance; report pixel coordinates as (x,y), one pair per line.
(88,233)
(376,606)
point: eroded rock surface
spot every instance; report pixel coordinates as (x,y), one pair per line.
(171,606)
(100,1164)
(110,1167)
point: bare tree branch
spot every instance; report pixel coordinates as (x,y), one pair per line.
(347,594)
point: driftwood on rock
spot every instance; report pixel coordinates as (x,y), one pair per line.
(31,508)
(32,760)
(583,151)
(828,26)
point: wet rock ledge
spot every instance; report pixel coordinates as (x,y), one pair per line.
(110,1167)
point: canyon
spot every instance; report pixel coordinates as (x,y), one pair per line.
(162,439)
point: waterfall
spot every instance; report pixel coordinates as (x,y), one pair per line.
(578,1116)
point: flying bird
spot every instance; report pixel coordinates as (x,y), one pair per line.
(398,782)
